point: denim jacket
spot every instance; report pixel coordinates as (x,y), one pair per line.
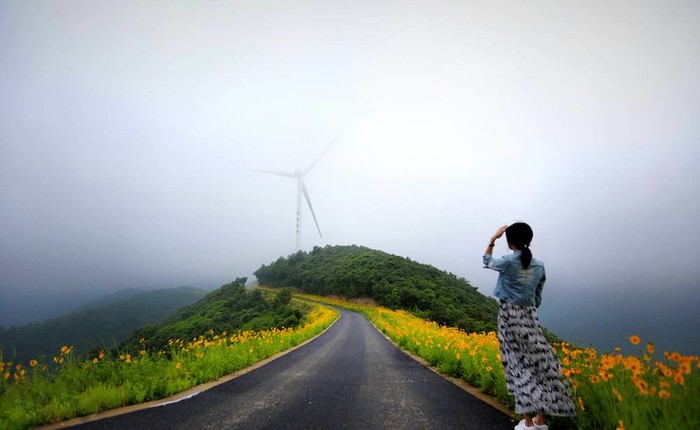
(517,286)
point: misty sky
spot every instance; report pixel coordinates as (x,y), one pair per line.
(126,129)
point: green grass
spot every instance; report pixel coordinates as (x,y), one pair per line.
(35,395)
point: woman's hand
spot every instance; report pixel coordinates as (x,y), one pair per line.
(498,233)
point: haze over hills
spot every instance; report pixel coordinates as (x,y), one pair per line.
(103,323)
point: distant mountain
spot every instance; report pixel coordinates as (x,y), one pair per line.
(119,295)
(392,281)
(104,323)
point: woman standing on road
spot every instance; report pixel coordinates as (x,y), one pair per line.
(533,373)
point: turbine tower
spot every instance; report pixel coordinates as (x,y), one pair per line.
(301,189)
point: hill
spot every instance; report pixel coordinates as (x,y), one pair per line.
(229,308)
(100,324)
(392,281)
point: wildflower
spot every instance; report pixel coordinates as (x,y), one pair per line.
(32,363)
(617,394)
(64,349)
(664,394)
(489,368)
(7,375)
(595,379)
(650,348)
(178,365)
(678,378)
(102,355)
(641,386)
(95,360)
(620,425)
(580,403)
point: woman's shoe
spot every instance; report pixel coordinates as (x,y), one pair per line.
(522,426)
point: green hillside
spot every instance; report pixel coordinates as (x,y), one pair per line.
(229,308)
(392,281)
(98,325)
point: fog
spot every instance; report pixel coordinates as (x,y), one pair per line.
(128,131)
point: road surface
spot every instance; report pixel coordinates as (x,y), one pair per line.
(350,377)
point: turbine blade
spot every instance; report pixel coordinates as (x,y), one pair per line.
(322,154)
(271,172)
(308,201)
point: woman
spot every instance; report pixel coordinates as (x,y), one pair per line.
(532,371)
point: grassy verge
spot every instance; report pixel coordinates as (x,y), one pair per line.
(649,390)
(34,395)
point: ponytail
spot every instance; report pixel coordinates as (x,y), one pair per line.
(520,236)
(526,257)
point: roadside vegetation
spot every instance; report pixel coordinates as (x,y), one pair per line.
(97,325)
(649,390)
(68,385)
(392,281)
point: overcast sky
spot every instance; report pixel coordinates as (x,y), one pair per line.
(126,129)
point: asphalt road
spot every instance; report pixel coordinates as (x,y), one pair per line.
(350,377)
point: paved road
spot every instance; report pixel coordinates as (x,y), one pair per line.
(351,377)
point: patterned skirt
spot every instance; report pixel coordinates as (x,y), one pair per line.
(533,372)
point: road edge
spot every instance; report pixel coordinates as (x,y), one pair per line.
(183,395)
(486,398)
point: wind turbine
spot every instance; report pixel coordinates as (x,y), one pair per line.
(301,189)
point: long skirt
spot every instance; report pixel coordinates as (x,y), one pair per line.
(532,370)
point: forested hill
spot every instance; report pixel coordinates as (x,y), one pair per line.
(229,308)
(102,324)
(392,281)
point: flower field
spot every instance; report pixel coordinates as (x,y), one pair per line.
(68,387)
(651,390)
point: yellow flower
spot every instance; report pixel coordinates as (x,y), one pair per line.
(664,394)
(641,385)
(64,349)
(32,363)
(620,425)
(580,403)
(102,355)
(617,394)
(635,339)
(95,360)
(678,378)
(178,365)
(489,368)
(650,347)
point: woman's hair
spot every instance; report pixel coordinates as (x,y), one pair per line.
(520,235)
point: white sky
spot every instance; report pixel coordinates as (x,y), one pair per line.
(126,129)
